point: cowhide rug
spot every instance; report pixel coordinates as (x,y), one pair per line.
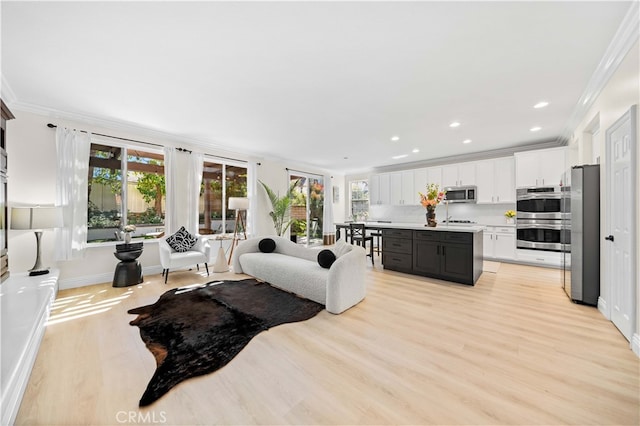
(195,331)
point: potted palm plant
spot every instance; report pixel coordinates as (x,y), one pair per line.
(280,207)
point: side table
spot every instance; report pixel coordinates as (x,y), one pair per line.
(221,264)
(128,271)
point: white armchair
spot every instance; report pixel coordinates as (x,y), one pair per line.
(171,259)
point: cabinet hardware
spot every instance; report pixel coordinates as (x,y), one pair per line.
(609,238)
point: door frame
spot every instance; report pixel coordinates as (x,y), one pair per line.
(308,177)
(604,302)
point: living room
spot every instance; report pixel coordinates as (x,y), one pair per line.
(33,170)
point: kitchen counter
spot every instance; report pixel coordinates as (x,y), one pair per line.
(416,226)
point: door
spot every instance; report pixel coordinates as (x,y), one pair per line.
(457,262)
(307,208)
(620,197)
(426,256)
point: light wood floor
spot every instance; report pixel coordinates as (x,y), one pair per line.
(511,350)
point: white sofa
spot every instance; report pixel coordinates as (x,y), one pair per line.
(294,268)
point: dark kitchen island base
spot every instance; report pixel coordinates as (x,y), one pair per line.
(447,255)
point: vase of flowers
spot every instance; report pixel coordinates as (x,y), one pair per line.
(510,215)
(128,231)
(430,200)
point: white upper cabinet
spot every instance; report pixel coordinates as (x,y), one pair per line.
(420,181)
(434,175)
(396,188)
(495,180)
(505,183)
(379,189)
(543,167)
(401,184)
(408,197)
(462,174)
(485,181)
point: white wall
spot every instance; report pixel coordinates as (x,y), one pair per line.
(32,174)
(275,176)
(620,93)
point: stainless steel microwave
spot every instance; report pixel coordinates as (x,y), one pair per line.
(461,194)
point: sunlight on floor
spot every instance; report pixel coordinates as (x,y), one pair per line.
(82,305)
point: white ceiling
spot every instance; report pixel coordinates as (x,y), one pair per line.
(313,81)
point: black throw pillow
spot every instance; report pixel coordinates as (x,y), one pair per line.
(326,258)
(267,245)
(182,240)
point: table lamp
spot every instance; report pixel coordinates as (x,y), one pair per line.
(36,219)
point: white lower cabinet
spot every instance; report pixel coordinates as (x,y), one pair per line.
(499,242)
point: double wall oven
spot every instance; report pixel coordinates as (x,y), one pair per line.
(543,218)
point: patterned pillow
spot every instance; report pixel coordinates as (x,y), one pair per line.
(182,240)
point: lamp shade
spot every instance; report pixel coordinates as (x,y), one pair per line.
(238,203)
(36,217)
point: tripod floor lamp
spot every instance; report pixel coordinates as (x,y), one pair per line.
(36,219)
(240,205)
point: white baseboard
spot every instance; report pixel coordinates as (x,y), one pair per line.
(603,308)
(635,344)
(101,278)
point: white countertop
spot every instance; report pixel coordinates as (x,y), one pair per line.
(423,227)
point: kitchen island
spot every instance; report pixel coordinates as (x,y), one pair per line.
(447,252)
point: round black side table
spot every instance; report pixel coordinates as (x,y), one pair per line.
(128,271)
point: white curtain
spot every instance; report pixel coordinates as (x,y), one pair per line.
(252,194)
(194,180)
(328,228)
(171,213)
(72,149)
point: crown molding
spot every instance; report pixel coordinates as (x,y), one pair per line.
(476,156)
(130,129)
(6,92)
(622,42)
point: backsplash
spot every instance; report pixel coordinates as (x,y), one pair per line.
(484,214)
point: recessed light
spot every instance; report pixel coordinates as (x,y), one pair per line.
(454,124)
(466,141)
(416,150)
(535,129)
(395,138)
(541,104)
(397,157)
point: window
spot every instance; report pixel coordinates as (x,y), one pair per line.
(359,195)
(139,200)
(215,217)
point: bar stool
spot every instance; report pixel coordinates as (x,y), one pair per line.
(377,234)
(359,236)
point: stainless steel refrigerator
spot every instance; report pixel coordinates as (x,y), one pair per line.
(584,283)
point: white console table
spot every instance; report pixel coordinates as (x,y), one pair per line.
(25,304)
